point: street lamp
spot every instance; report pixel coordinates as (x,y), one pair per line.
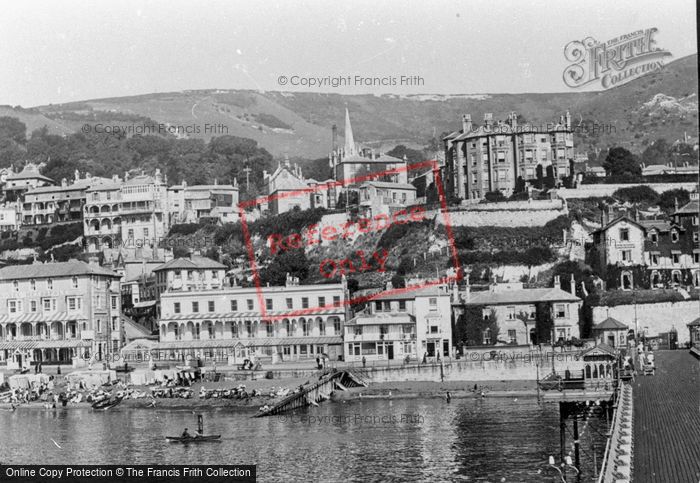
(564,465)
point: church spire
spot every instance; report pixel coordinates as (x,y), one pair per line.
(349,139)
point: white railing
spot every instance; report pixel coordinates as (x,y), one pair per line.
(617,462)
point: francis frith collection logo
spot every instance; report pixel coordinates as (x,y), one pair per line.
(614,62)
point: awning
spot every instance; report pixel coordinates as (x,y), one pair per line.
(257,342)
(236,316)
(147,303)
(37,317)
(43,344)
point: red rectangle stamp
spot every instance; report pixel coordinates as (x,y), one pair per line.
(349,229)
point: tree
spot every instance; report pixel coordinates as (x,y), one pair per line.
(621,162)
(637,194)
(292,262)
(11,128)
(658,152)
(544,322)
(494,196)
(667,199)
(412,155)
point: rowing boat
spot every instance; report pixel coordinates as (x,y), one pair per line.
(193,439)
(106,403)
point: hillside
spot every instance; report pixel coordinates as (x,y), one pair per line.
(663,104)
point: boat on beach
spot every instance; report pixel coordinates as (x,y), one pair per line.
(106,404)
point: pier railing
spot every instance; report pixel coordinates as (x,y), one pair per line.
(617,462)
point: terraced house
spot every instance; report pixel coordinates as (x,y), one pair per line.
(495,155)
(58,313)
(228,324)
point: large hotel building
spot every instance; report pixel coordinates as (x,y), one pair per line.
(227,324)
(491,157)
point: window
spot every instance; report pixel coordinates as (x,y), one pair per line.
(378,306)
(234,330)
(269,329)
(653,258)
(432,301)
(696,257)
(511,336)
(32,284)
(486,337)
(15,285)
(402,305)
(49,305)
(322,327)
(130,233)
(75,282)
(49,284)
(322,301)
(114,302)
(288,327)
(176,307)
(290,303)
(674,236)
(33,306)
(624,234)
(214,275)
(336,300)
(114,323)
(304,302)
(145,233)
(696,220)
(434,329)
(195,306)
(306,326)
(190,275)
(268,304)
(99,326)
(14,306)
(358,330)
(178,274)
(675,258)
(654,236)
(234,305)
(696,236)
(75,303)
(211,306)
(626,255)
(511,313)
(560,311)
(336,326)
(250,304)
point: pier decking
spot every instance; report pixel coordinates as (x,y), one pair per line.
(667,421)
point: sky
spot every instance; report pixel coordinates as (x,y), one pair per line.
(61,51)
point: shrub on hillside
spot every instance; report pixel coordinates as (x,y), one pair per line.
(667,199)
(184,229)
(637,194)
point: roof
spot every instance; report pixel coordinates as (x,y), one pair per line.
(695,323)
(690,208)
(55,269)
(141,179)
(600,349)
(55,189)
(610,324)
(382,158)
(522,296)
(390,185)
(410,294)
(618,220)
(28,174)
(659,225)
(191,263)
(256,342)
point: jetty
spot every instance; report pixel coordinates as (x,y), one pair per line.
(314,393)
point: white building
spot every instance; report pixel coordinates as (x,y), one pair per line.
(413,324)
(383,197)
(60,313)
(189,204)
(516,309)
(304,322)
(193,273)
(143,209)
(283,188)
(9,217)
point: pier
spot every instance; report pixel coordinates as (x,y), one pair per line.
(667,420)
(315,393)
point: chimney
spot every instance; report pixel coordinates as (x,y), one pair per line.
(573,285)
(64,182)
(557,282)
(467,289)
(87,176)
(334,138)
(94,261)
(568,120)
(466,123)
(513,120)
(488,120)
